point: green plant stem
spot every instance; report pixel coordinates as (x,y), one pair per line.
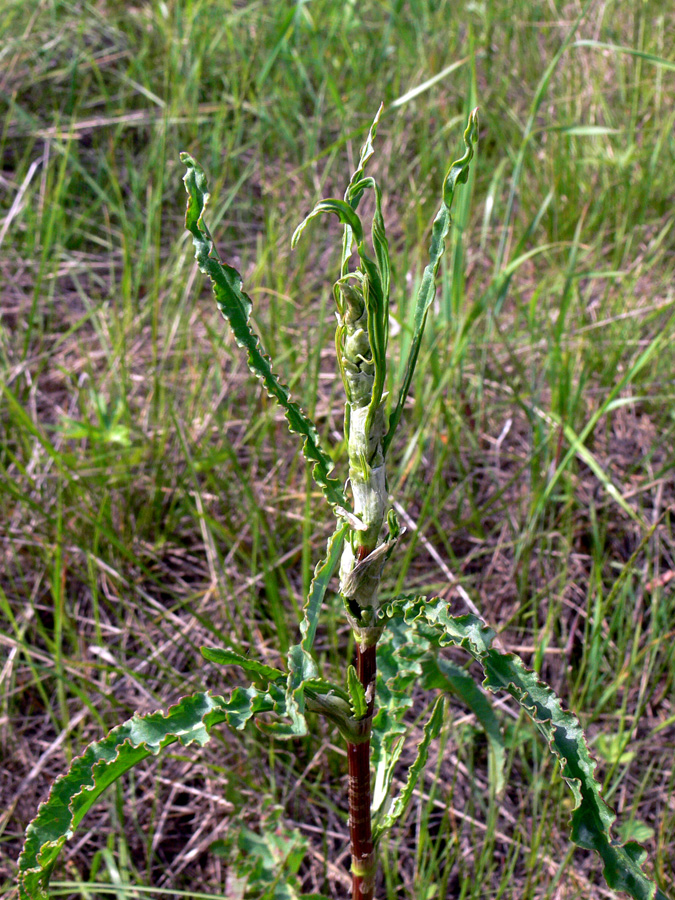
(364,861)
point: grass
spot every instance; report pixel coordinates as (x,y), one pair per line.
(152,501)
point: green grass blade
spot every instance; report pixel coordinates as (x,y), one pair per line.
(579,441)
(631,51)
(592,818)
(578,447)
(235,306)
(458,173)
(539,96)
(104,761)
(402,801)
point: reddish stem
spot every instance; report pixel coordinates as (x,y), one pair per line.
(360,831)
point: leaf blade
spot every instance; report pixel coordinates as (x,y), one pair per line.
(223,656)
(402,801)
(235,306)
(457,174)
(592,818)
(104,761)
(301,665)
(444,674)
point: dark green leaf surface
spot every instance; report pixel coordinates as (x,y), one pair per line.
(445,675)
(457,174)
(74,793)
(592,819)
(235,305)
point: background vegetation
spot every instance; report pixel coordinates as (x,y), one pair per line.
(152,501)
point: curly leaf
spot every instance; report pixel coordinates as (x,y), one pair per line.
(301,665)
(399,667)
(458,173)
(352,196)
(235,305)
(378,232)
(341,209)
(377,293)
(258,670)
(592,819)
(75,792)
(375,282)
(402,801)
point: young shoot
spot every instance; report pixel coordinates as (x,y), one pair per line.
(364,707)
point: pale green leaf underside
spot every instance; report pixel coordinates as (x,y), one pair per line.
(402,801)
(235,305)
(75,792)
(592,819)
(352,196)
(400,656)
(377,271)
(406,658)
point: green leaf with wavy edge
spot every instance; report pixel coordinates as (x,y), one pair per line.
(301,665)
(357,694)
(400,653)
(75,792)
(378,271)
(258,670)
(592,819)
(443,674)
(457,174)
(235,305)
(402,801)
